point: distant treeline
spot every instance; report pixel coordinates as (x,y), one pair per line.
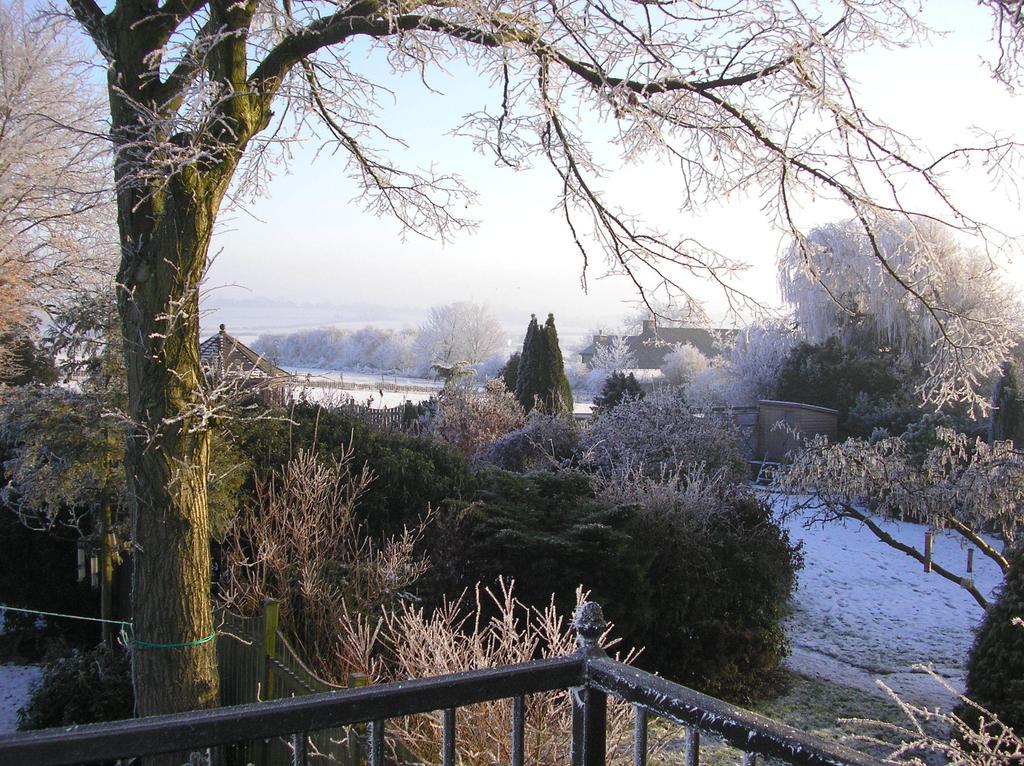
(370,349)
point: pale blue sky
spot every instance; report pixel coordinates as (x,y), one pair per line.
(306,241)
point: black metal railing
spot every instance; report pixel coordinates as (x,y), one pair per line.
(589,673)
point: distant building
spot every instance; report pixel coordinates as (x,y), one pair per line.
(653,343)
(785,426)
(224,357)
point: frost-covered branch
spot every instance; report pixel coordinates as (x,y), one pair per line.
(851,511)
(965,486)
(958,322)
(1008,31)
(56,217)
(747,95)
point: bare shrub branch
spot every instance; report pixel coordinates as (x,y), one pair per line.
(494,628)
(300,543)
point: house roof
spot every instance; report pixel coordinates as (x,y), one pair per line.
(224,354)
(653,343)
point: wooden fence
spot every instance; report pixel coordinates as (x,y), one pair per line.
(402,417)
(257,664)
(398,418)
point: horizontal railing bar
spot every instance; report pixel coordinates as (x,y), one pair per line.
(203,728)
(745,730)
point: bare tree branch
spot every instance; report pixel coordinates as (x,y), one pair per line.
(915,554)
(94,22)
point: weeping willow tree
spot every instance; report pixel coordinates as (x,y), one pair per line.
(737,94)
(933,302)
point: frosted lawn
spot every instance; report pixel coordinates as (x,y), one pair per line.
(863,611)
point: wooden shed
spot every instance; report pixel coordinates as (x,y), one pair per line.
(783,426)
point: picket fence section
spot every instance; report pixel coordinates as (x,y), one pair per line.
(384,418)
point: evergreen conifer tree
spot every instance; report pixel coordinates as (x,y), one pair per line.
(1007,418)
(510,372)
(526,374)
(541,374)
(618,387)
(559,393)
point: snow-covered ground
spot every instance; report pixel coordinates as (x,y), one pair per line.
(15,682)
(374,399)
(374,390)
(365,380)
(864,611)
(377,391)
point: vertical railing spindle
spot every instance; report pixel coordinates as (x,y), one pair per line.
(376,743)
(589,715)
(692,746)
(448,737)
(356,735)
(518,728)
(300,749)
(589,705)
(639,735)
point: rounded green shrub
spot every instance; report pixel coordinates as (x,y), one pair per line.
(550,532)
(995,665)
(698,576)
(658,436)
(544,441)
(618,387)
(720,575)
(829,375)
(411,473)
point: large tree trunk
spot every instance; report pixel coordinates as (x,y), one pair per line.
(170,183)
(165,240)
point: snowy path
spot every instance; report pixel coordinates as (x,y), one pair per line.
(863,611)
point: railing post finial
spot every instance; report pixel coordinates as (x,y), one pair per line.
(590,624)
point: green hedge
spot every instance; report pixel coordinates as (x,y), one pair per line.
(704,595)
(412,472)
